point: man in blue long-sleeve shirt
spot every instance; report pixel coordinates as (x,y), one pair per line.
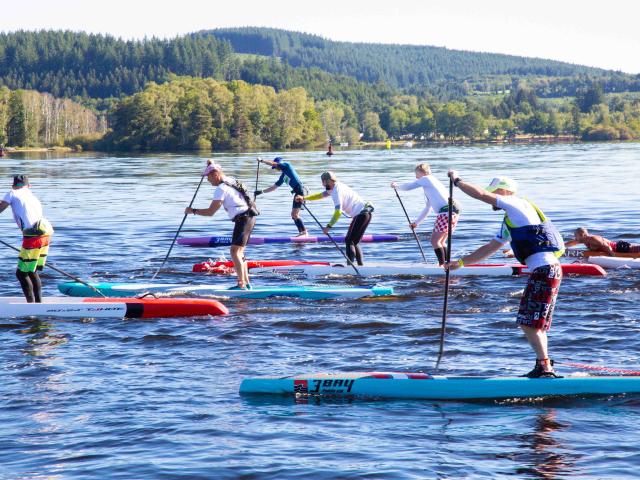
(289,176)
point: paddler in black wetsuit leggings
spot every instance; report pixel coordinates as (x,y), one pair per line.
(289,176)
(345,200)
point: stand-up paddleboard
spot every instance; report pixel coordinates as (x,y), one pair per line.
(422,386)
(220,241)
(616,262)
(583,253)
(111,307)
(75,289)
(420,269)
(225,267)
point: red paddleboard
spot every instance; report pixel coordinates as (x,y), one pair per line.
(165,307)
(227,267)
(567,268)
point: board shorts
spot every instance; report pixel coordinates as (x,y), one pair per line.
(441,223)
(624,247)
(539,297)
(243,226)
(35,247)
(297,191)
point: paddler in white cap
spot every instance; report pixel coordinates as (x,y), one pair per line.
(231,195)
(536,243)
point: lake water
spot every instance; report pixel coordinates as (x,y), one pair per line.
(159,399)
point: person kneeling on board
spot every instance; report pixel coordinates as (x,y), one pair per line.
(536,243)
(436,197)
(345,200)
(36,235)
(290,177)
(231,195)
(596,243)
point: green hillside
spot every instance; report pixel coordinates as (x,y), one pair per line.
(409,66)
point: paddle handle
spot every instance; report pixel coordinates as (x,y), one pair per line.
(415,235)
(332,239)
(59,270)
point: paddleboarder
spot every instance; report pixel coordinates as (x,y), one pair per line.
(598,243)
(436,198)
(536,243)
(232,196)
(36,236)
(289,176)
(346,200)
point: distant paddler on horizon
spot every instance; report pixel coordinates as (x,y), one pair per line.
(346,200)
(36,236)
(536,243)
(290,177)
(233,197)
(436,198)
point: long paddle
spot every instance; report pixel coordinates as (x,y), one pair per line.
(332,239)
(257,176)
(446,277)
(175,237)
(415,235)
(53,267)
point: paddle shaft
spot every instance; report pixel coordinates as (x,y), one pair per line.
(257,177)
(332,239)
(175,237)
(415,235)
(446,276)
(53,267)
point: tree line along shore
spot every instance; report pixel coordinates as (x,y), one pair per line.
(93,92)
(188,113)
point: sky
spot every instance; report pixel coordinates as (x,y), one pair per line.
(595,33)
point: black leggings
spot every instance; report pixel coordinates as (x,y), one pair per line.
(358,226)
(31,286)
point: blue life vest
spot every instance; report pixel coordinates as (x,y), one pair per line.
(530,239)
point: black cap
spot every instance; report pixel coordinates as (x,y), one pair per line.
(20,180)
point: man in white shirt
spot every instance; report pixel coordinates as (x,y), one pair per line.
(348,201)
(232,196)
(436,197)
(536,243)
(36,236)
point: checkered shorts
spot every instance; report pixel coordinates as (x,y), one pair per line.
(442,222)
(539,297)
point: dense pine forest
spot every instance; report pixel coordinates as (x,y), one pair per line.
(262,88)
(408,66)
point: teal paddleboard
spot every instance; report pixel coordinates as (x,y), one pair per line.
(422,386)
(76,289)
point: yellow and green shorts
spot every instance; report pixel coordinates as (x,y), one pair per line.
(35,246)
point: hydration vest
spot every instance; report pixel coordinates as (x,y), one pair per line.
(530,239)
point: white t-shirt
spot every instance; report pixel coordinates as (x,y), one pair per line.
(27,209)
(435,194)
(522,213)
(232,200)
(346,199)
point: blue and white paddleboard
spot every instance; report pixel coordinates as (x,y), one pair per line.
(75,289)
(395,385)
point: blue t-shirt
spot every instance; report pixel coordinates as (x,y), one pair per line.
(289,176)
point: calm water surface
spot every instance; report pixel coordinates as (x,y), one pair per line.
(159,399)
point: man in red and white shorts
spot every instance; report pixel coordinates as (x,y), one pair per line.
(536,243)
(436,197)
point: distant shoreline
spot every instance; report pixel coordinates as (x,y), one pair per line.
(395,144)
